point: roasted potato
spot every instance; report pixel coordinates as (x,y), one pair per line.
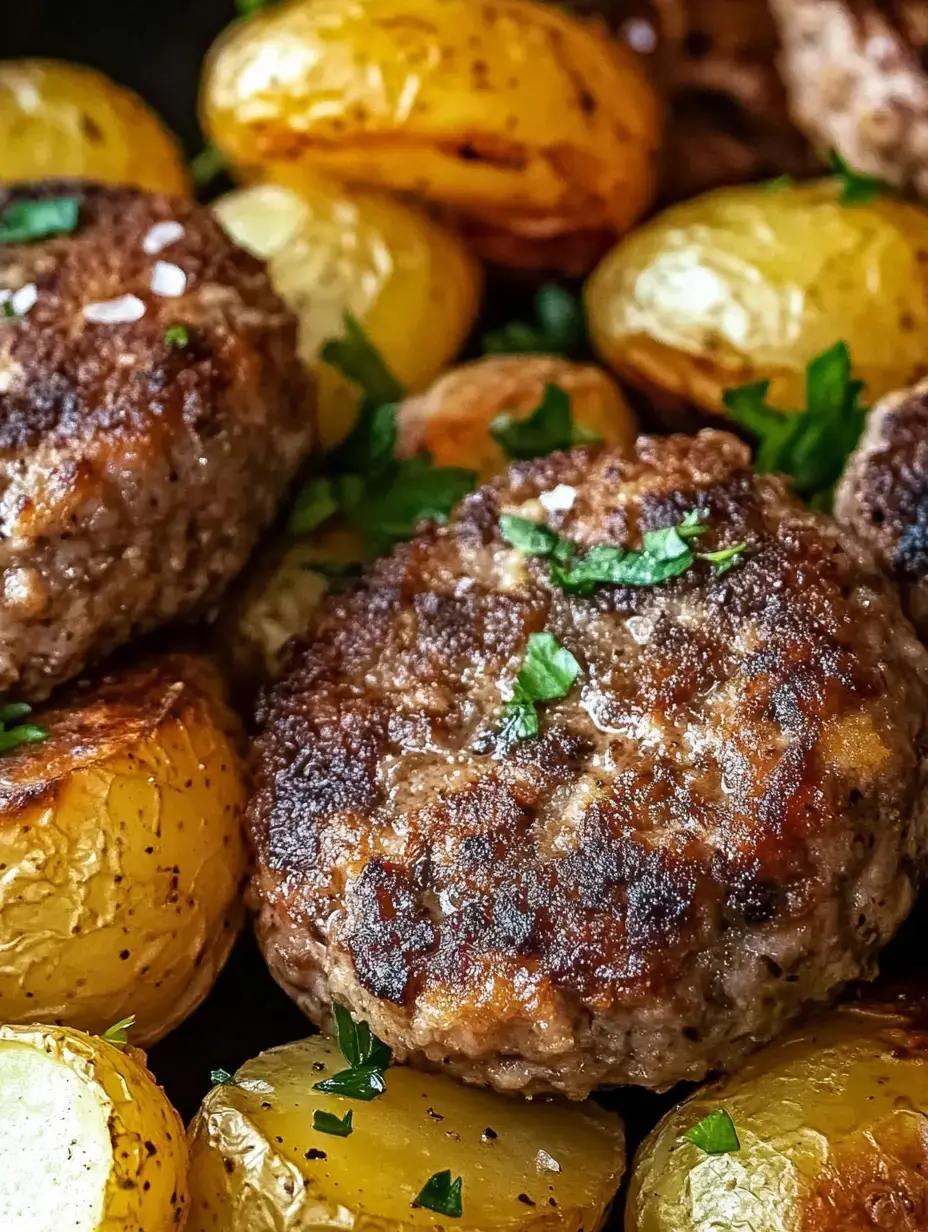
(831,1125)
(409,280)
(750,283)
(122,852)
(516,117)
(257,1163)
(88,1140)
(452,419)
(59,119)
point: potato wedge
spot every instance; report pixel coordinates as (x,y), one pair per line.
(59,119)
(452,420)
(122,852)
(88,1140)
(257,1163)
(751,283)
(516,116)
(830,1121)
(409,280)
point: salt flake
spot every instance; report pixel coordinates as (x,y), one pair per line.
(115,311)
(161,236)
(168,280)
(559,499)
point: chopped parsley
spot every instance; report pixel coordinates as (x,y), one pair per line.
(23,222)
(441,1194)
(23,733)
(222,1078)
(810,446)
(356,357)
(329,1123)
(177,336)
(856,188)
(531,538)
(715,1134)
(548,672)
(550,427)
(316,502)
(208,165)
(368,1059)
(559,329)
(118,1033)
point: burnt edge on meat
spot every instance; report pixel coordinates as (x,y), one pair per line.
(883,494)
(135,474)
(724,820)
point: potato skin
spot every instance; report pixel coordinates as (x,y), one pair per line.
(59,119)
(257,1163)
(830,1120)
(122,850)
(513,114)
(452,419)
(410,281)
(752,282)
(147,1186)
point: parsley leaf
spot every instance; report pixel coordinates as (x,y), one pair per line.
(724,558)
(560,328)
(177,336)
(356,357)
(24,733)
(23,222)
(315,503)
(548,672)
(208,165)
(813,445)
(118,1033)
(417,492)
(531,538)
(222,1078)
(357,1042)
(363,1082)
(715,1134)
(329,1123)
(442,1195)
(550,427)
(856,187)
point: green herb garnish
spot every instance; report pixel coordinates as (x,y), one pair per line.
(23,733)
(442,1195)
(365,1083)
(810,446)
(560,328)
(548,672)
(222,1078)
(177,336)
(23,222)
(367,1057)
(531,538)
(207,165)
(779,183)
(316,502)
(856,187)
(329,1123)
(550,427)
(118,1033)
(356,357)
(715,1134)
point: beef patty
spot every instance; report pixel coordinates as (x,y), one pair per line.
(723,819)
(883,495)
(145,437)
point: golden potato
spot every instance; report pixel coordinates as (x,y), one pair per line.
(831,1124)
(515,116)
(122,852)
(258,1164)
(753,282)
(409,281)
(88,1140)
(452,420)
(59,119)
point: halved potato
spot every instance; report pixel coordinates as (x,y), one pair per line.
(88,1140)
(831,1123)
(515,116)
(60,119)
(258,1165)
(750,283)
(452,420)
(121,852)
(410,281)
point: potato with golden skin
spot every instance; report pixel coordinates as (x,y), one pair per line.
(122,851)
(452,420)
(59,119)
(410,281)
(830,1120)
(88,1140)
(257,1162)
(519,119)
(750,283)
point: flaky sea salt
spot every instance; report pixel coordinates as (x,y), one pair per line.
(25,299)
(559,499)
(161,236)
(168,280)
(546,1163)
(115,311)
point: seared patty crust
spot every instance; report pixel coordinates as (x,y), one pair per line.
(139,458)
(723,820)
(883,495)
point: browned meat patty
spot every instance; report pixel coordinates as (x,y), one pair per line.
(138,461)
(724,819)
(856,74)
(883,496)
